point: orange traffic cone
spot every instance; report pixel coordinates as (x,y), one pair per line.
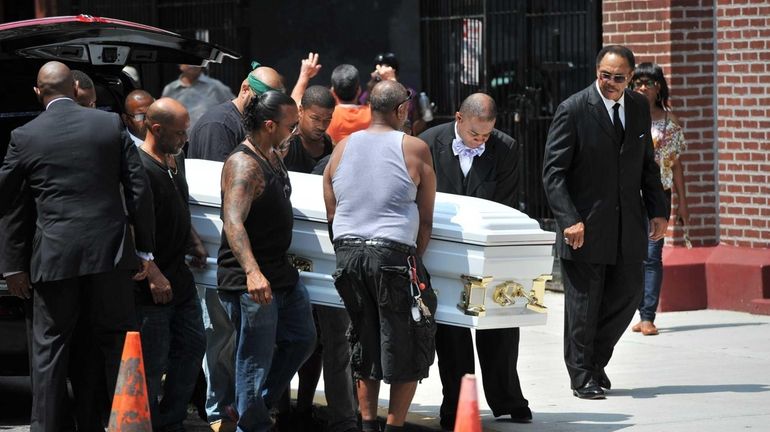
(130,407)
(468,418)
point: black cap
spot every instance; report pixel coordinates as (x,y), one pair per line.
(388,59)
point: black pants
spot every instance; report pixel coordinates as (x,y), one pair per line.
(599,303)
(105,302)
(498,351)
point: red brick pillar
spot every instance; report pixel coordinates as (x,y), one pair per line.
(681,40)
(738,272)
(715,58)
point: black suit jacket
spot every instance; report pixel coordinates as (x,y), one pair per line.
(492,175)
(17,227)
(74,161)
(588,177)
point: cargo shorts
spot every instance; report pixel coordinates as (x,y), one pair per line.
(387,342)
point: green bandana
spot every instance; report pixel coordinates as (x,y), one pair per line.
(256,85)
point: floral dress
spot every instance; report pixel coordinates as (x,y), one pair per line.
(668,142)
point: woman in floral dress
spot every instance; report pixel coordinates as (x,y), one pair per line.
(668,140)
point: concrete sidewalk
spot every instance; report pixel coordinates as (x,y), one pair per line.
(706,371)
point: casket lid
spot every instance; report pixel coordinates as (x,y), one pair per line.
(456,218)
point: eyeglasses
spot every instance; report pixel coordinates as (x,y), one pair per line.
(618,78)
(647,82)
(136,117)
(408,98)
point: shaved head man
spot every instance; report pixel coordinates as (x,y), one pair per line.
(473,158)
(71,158)
(55,79)
(219,130)
(134,110)
(168,307)
(379,202)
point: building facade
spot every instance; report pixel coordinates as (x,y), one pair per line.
(716,56)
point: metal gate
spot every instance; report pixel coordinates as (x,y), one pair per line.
(222,22)
(529,55)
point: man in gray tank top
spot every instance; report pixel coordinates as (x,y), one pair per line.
(379,189)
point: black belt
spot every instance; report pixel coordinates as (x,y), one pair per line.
(400,247)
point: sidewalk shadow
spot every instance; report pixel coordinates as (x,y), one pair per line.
(422,418)
(568,421)
(704,327)
(652,392)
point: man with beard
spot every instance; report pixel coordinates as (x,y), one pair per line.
(265,301)
(168,308)
(215,135)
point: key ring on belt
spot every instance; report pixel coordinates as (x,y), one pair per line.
(414,279)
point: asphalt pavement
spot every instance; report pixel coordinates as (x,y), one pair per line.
(707,371)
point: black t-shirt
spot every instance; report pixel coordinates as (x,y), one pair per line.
(269,226)
(216,133)
(172,227)
(298,159)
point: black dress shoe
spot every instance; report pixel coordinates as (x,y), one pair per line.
(589,390)
(521,415)
(603,380)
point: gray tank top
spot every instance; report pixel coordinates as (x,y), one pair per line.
(375,194)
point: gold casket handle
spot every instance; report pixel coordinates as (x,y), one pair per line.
(473,295)
(301,263)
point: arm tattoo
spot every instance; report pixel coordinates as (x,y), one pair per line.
(242,183)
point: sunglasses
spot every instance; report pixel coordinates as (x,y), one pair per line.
(617,78)
(408,98)
(646,82)
(136,117)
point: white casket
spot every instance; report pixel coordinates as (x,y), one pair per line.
(488,262)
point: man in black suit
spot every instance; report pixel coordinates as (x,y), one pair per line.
(604,189)
(473,158)
(82,251)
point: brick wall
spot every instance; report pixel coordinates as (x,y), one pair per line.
(679,36)
(743,97)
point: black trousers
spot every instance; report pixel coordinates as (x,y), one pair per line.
(87,316)
(498,351)
(599,303)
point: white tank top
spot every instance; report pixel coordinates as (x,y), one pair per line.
(375,194)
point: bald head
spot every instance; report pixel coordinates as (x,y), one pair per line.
(137,98)
(134,109)
(475,122)
(269,77)
(479,105)
(54,80)
(167,121)
(386,96)
(165,111)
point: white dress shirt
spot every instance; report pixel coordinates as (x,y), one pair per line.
(609,103)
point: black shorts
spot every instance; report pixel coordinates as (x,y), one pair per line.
(386,342)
